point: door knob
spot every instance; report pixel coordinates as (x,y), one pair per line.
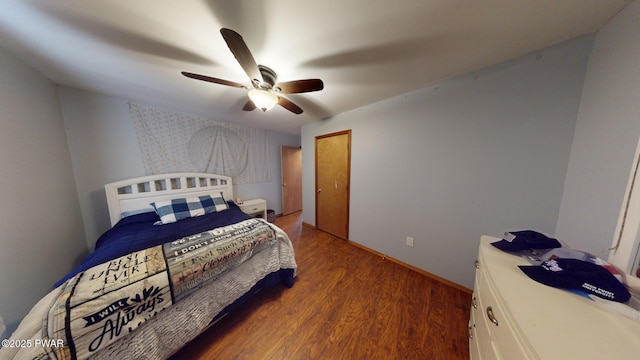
(319,190)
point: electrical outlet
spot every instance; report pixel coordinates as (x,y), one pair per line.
(409,241)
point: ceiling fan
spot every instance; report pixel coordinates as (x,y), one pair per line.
(265,90)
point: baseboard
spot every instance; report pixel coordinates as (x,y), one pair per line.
(308,225)
(411,267)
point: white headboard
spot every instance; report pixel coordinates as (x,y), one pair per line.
(134,195)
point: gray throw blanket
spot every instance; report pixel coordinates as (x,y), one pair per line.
(102,304)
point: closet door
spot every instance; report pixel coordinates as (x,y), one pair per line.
(333,163)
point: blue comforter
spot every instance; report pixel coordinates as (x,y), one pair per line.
(137,232)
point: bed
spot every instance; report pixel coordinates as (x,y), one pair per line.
(180,255)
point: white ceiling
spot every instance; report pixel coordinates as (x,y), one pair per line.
(364,50)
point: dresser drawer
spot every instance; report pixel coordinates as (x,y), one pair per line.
(475,339)
(491,314)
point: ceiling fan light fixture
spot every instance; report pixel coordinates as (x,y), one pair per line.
(263,99)
(264,92)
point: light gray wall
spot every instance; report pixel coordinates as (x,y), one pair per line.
(42,232)
(104,148)
(481,154)
(606,136)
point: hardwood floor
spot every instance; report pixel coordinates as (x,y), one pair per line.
(346,303)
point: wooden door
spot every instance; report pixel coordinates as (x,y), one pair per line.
(333,164)
(291,179)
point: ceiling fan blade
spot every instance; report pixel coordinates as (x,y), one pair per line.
(300,86)
(213,80)
(287,104)
(249,106)
(242,53)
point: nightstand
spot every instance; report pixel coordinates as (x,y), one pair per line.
(255,208)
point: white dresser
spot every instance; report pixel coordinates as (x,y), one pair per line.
(514,317)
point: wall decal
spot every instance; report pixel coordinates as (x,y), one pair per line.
(176,142)
(218,150)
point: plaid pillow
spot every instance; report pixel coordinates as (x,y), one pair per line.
(174,210)
(219,203)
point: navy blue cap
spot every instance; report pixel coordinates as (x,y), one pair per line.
(516,241)
(574,274)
